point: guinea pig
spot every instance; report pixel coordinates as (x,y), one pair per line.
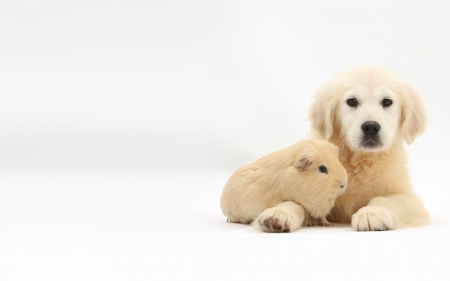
(286,189)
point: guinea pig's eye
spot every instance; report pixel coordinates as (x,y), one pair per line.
(386,102)
(352,102)
(323,169)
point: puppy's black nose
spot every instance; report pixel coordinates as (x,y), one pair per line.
(370,128)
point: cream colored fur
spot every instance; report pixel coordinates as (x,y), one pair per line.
(286,189)
(379,194)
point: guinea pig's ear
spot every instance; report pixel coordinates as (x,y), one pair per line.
(323,109)
(303,164)
(413,120)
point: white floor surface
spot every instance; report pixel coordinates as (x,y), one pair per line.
(66,224)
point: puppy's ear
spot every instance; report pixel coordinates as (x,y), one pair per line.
(323,109)
(413,120)
(303,164)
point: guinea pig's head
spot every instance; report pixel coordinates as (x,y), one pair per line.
(322,175)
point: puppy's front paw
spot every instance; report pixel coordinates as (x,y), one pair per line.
(274,220)
(372,218)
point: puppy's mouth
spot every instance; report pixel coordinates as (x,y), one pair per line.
(371,142)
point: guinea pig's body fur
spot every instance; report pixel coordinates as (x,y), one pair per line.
(305,178)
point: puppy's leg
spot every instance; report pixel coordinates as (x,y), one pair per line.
(392,212)
(284,217)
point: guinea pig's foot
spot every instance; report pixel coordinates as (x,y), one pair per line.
(323,222)
(317,222)
(311,222)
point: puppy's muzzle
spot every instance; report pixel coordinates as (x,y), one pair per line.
(370,138)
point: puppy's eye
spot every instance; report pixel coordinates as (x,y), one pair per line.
(323,169)
(386,102)
(352,102)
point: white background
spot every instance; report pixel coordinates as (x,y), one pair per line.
(120,122)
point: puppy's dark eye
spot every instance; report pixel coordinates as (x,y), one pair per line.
(386,102)
(323,169)
(352,102)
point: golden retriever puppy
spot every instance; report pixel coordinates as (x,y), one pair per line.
(286,189)
(369,113)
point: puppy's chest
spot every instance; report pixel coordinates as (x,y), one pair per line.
(365,176)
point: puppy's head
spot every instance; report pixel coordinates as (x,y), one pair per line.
(368,108)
